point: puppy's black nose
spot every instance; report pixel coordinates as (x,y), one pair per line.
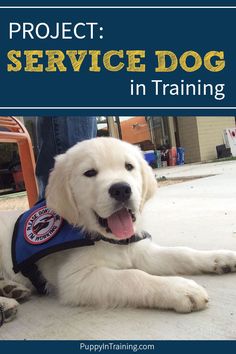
(120,191)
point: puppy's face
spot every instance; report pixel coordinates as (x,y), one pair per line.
(101,184)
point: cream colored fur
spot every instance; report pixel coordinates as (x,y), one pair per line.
(140,274)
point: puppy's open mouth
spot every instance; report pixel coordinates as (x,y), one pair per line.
(119,223)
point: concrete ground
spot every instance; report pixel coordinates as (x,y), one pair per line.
(200,213)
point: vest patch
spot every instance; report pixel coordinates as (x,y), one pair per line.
(41,226)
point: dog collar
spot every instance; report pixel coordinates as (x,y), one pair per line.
(127,241)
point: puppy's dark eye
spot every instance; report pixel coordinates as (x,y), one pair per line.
(91,173)
(129,167)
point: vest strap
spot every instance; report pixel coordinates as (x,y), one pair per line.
(36,278)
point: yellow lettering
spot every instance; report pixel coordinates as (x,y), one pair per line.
(76,63)
(219,64)
(55,60)
(94,60)
(197,61)
(161,57)
(107,60)
(134,58)
(12,56)
(31,58)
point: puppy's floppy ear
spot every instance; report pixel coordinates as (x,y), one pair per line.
(59,196)
(149,185)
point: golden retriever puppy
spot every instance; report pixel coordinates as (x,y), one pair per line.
(100,186)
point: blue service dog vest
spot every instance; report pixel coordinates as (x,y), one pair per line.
(40,231)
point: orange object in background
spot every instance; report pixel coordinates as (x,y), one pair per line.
(172,156)
(13,131)
(135,130)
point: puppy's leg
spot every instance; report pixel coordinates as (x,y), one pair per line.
(8,309)
(11,289)
(107,287)
(157,260)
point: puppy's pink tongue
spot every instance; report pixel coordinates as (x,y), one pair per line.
(121,224)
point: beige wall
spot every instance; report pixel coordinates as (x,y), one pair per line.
(200,136)
(188,134)
(210,133)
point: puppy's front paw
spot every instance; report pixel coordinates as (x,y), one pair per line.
(224,262)
(13,290)
(8,309)
(188,296)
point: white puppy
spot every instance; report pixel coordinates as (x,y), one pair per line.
(102,185)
